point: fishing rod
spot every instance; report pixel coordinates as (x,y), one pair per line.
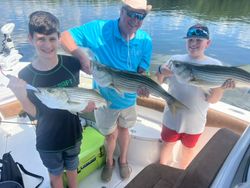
(5,79)
(16,122)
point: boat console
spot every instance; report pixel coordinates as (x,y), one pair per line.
(9,56)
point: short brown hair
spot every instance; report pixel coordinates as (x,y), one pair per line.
(43,22)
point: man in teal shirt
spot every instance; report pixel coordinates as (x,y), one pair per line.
(119,44)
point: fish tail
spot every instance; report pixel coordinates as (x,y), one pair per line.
(175,105)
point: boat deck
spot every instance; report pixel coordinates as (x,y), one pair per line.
(18,136)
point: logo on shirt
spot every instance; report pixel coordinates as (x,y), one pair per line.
(65,83)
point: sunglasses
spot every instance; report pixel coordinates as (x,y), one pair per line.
(197,32)
(133,14)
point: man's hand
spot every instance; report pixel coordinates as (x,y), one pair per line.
(228,84)
(69,45)
(86,66)
(142,91)
(90,107)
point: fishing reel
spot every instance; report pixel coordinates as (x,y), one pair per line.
(9,56)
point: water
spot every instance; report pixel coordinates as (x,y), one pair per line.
(228,21)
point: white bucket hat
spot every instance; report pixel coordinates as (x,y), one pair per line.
(138,4)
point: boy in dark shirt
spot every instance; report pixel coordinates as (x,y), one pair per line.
(58,132)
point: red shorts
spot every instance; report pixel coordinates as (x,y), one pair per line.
(188,140)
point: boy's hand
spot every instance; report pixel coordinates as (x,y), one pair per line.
(90,107)
(17,86)
(216,94)
(163,71)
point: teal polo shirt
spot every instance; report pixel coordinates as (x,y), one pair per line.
(105,41)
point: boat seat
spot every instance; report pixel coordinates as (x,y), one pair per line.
(200,172)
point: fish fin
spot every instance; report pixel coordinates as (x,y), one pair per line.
(117,90)
(108,104)
(73,112)
(73,102)
(165,80)
(244,91)
(244,67)
(75,107)
(207,91)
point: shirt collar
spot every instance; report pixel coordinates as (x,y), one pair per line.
(116,29)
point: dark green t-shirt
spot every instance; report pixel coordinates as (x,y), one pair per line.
(56,129)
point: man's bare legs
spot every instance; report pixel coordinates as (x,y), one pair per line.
(122,134)
(110,146)
(123,140)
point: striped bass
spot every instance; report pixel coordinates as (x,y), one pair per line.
(73,99)
(209,76)
(130,82)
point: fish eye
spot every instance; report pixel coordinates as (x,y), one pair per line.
(177,64)
(51,90)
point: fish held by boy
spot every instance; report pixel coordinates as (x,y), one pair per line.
(209,76)
(130,82)
(73,99)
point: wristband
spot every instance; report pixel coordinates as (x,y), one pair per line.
(159,69)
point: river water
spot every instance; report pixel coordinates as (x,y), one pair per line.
(228,21)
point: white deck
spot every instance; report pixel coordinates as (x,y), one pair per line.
(20,140)
(144,149)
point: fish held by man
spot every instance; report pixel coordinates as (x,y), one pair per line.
(130,82)
(73,99)
(209,76)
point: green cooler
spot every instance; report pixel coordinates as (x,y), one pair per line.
(92,155)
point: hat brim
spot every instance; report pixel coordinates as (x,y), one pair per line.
(200,37)
(147,9)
